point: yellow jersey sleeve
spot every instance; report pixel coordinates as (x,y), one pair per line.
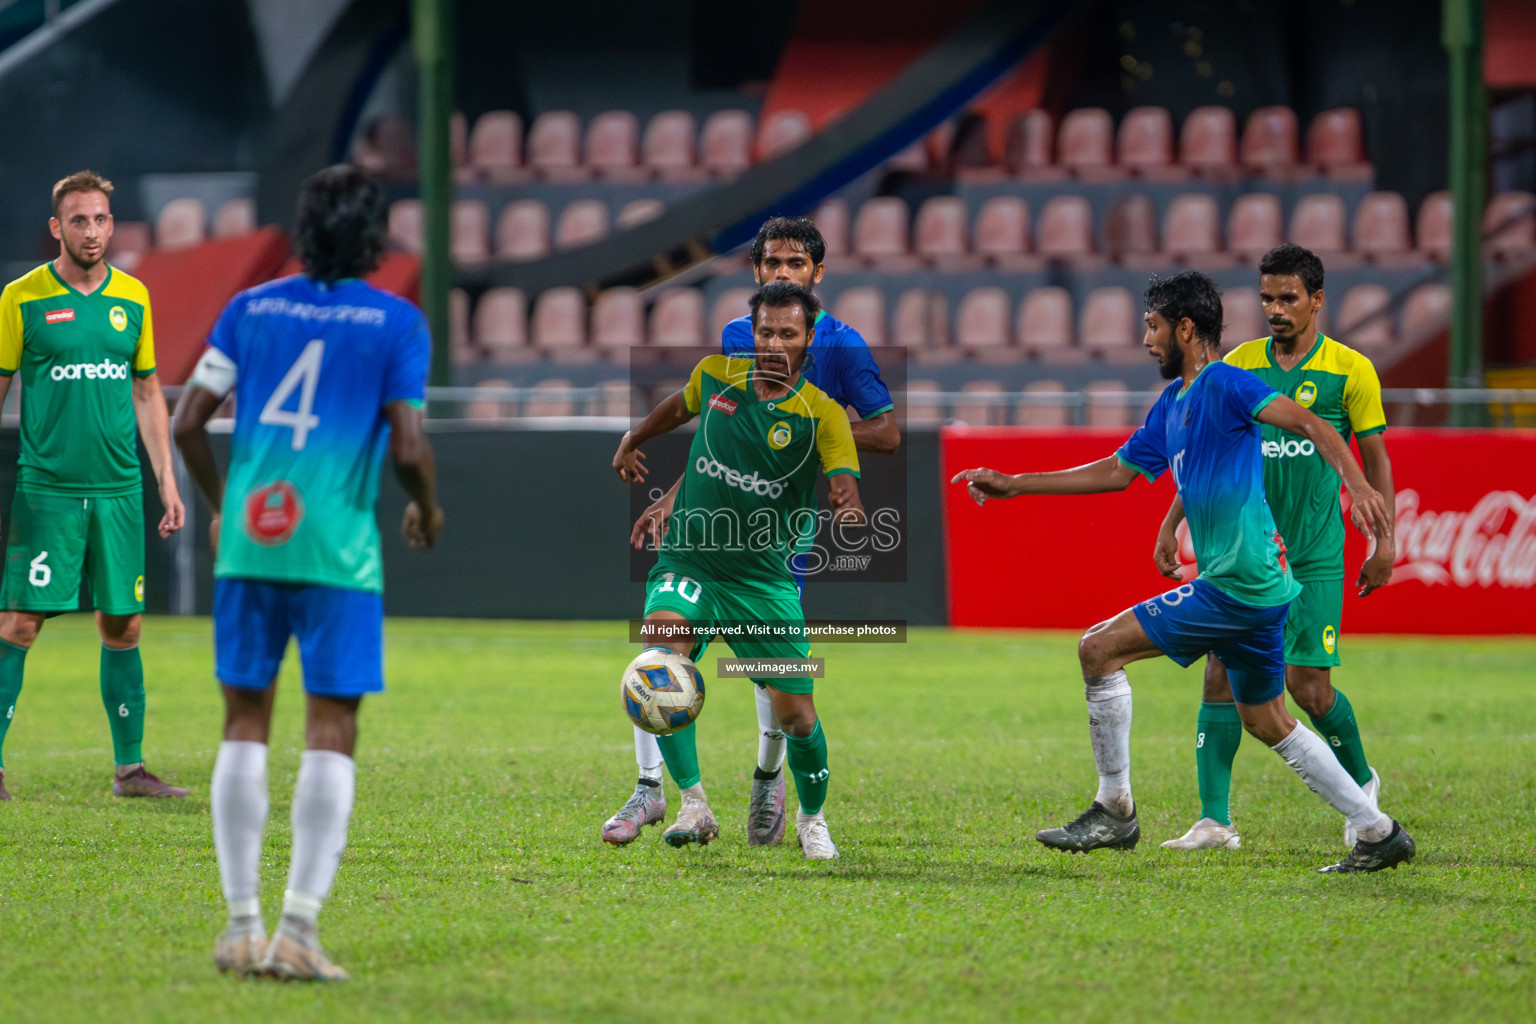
(10,331)
(144,351)
(834,438)
(1250,355)
(1362,399)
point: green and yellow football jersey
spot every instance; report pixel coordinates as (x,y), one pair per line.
(1340,386)
(748,496)
(77,355)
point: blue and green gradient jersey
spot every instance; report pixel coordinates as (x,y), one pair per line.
(1209,435)
(315,367)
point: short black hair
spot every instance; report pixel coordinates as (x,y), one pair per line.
(1189,294)
(778,294)
(798,231)
(1291,259)
(341,223)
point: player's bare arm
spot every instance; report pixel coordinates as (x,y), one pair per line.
(149,410)
(416,469)
(1369,509)
(1108,474)
(670,414)
(1377,570)
(1165,553)
(878,434)
(843,495)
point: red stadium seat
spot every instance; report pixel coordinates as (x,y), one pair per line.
(182,224)
(782,131)
(1317,223)
(920,413)
(1381,229)
(490,408)
(1192,232)
(677,318)
(981,412)
(1044,324)
(236,217)
(461,350)
(405,225)
(1145,142)
(131,239)
(880,233)
(1002,230)
(496,147)
(1208,141)
(500,323)
(668,146)
(1110,326)
(1104,407)
(1426,312)
(939,231)
(1242,316)
(1269,143)
(921,321)
(1085,144)
(1255,225)
(983,320)
(1433,229)
(1041,413)
(616,398)
(386,149)
(725,143)
(1130,232)
(613,145)
(638,211)
(831,219)
(1335,146)
(1364,320)
(618,319)
(1066,228)
(1030,147)
(1509,224)
(522,230)
(582,222)
(559,320)
(554,145)
(728,305)
(863,309)
(469,232)
(549,398)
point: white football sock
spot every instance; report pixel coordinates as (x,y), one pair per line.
(1306,752)
(238,799)
(322,806)
(770,734)
(647,755)
(1109,727)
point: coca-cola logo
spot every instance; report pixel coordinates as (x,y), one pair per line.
(1492,545)
(273,513)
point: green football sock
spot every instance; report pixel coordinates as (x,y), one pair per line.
(122,694)
(1219,730)
(12,658)
(681,752)
(1343,735)
(808,764)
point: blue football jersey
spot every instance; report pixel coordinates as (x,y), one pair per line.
(840,363)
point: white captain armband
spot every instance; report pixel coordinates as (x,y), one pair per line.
(215,373)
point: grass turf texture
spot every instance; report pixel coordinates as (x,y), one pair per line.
(475,886)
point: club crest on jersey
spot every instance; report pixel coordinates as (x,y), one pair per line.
(1306,394)
(273,513)
(119,318)
(138,589)
(722,404)
(59,316)
(779,436)
(1330,639)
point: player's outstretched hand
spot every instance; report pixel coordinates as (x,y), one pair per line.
(985,483)
(652,524)
(421,531)
(629,462)
(1165,555)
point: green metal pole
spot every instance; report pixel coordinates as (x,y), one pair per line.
(431,31)
(1462,35)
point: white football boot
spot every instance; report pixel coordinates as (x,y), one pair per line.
(815,840)
(695,822)
(1207,834)
(1372,792)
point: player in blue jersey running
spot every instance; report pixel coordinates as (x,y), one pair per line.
(1205,427)
(328,373)
(840,364)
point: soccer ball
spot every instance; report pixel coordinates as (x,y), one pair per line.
(662,691)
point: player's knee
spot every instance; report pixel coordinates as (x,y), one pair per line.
(1311,690)
(1091,653)
(20,630)
(119,630)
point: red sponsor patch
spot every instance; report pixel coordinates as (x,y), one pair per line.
(722,403)
(273,513)
(59,316)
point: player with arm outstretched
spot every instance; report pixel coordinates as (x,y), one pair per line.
(328,374)
(1205,427)
(745,500)
(1339,385)
(787,249)
(79,334)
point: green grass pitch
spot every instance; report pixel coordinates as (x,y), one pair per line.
(475,886)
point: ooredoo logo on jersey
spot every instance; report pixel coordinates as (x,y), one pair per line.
(104,370)
(273,513)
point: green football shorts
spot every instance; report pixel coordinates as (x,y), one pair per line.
(54,540)
(1312,624)
(730,608)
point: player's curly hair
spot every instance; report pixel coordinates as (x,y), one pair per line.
(778,294)
(1290,259)
(799,232)
(1189,294)
(80,181)
(341,224)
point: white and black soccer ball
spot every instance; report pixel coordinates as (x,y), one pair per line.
(662,691)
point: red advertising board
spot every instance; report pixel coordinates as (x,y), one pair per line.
(1466,536)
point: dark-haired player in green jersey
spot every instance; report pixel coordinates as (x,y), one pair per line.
(79,334)
(1339,385)
(748,494)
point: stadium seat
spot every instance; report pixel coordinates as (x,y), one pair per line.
(1145,143)
(405,225)
(638,211)
(490,408)
(1255,225)
(668,145)
(559,323)
(496,148)
(1085,144)
(458,143)
(1363,321)
(1380,229)
(677,318)
(582,222)
(728,305)
(1044,325)
(618,319)
(982,412)
(1242,317)
(469,232)
(522,230)
(1110,325)
(616,398)
(500,324)
(461,350)
(387,149)
(1317,223)
(1208,141)
(1335,146)
(1269,144)
(1426,312)
(1433,228)
(1040,413)
(1509,224)
(1002,231)
(920,411)
(1130,233)
(554,146)
(880,234)
(236,217)
(983,323)
(1106,408)
(725,143)
(549,398)
(131,239)
(1065,229)
(1192,232)
(182,223)
(831,219)
(939,233)
(613,146)
(782,131)
(921,320)
(863,309)
(1030,146)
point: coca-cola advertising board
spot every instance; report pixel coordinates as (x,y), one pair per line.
(1466,536)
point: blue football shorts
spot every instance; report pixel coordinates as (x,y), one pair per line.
(340,634)
(1197,619)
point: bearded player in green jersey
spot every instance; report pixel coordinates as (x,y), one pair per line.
(1339,385)
(80,334)
(747,495)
